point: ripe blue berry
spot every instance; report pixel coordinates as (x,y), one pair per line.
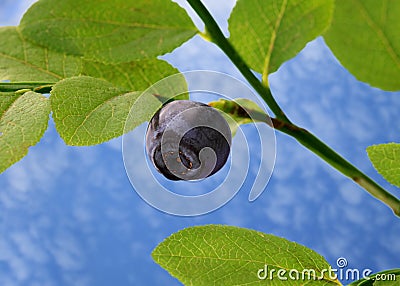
(188,140)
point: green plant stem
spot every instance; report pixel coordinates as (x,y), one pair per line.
(283,124)
(39,87)
(323,151)
(215,34)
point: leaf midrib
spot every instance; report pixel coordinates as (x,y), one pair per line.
(272,41)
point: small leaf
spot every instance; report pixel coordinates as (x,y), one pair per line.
(386,160)
(23,61)
(227,255)
(23,120)
(108,31)
(239,111)
(383,278)
(268,33)
(364,36)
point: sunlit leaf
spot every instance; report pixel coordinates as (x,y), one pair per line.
(227,255)
(268,33)
(136,75)
(108,31)
(386,159)
(90,111)
(23,120)
(23,61)
(364,36)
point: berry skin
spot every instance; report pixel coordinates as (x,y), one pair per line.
(188,140)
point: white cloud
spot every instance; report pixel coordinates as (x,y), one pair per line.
(17,268)
(28,247)
(115,144)
(351,193)
(67,251)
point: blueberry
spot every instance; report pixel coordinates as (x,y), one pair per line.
(188,140)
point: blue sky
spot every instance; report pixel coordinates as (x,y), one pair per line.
(69,215)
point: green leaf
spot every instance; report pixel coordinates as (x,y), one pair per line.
(364,36)
(23,61)
(268,33)
(240,111)
(136,75)
(90,111)
(6,99)
(108,31)
(386,160)
(386,277)
(227,255)
(23,120)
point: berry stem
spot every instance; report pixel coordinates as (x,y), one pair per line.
(283,124)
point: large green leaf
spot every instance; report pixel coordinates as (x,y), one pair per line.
(386,159)
(364,36)
(23,61)
(226,255)
(23,120)
(109,31)
(268,33)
